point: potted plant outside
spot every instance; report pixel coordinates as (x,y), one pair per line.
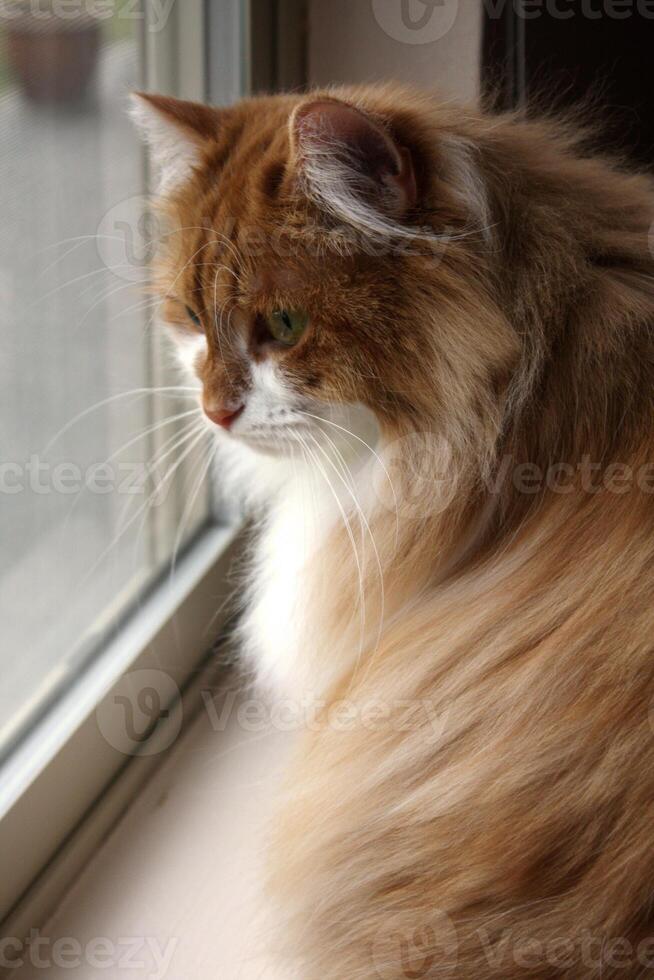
(52,47)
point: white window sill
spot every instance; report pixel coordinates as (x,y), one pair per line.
(54,777)
(181,869)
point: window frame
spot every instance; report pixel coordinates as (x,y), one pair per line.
(55,781)
(64,786)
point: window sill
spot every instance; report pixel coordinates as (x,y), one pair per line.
(168,637)
(180,871)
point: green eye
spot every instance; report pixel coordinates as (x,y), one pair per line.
(287,326)
(194,317)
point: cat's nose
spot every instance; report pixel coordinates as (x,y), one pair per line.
(225,416)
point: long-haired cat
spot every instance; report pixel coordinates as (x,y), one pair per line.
(425,337)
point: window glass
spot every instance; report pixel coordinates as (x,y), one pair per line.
(82,535)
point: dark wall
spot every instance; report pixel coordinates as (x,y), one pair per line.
(560,51)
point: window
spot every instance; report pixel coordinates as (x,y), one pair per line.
(114,552)
(79,541)
(98,466)
(110,551)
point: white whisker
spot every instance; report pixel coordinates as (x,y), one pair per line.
(134,393)
(173,469)
(365,524)
(188,509)
(350,534)
(376,456)
(149,430)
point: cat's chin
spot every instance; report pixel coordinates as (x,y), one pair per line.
(350,430)
(277,447)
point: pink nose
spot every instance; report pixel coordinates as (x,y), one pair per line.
(225,417)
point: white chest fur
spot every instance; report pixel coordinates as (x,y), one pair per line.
(290,644)
(281,625)
(286,645)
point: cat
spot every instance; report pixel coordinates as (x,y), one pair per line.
(424,339)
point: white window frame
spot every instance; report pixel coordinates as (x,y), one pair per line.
(66,785)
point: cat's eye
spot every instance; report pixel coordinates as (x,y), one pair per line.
(287,326)
(193,316)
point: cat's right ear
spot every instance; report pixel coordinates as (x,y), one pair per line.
(349,160)
(177,133)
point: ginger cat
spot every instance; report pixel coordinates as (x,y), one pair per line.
(425,337)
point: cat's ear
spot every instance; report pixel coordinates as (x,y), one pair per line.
(177,133)
(350,163)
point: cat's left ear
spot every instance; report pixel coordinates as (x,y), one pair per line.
(177,133)
(350,161)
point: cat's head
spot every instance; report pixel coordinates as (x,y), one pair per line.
(325,252)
